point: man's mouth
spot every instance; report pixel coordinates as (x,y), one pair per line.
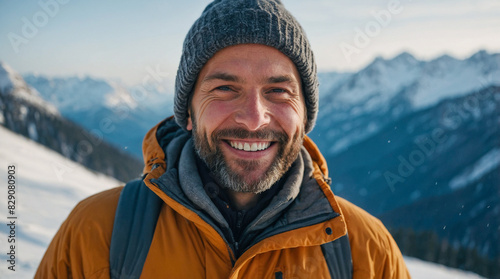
(250,146)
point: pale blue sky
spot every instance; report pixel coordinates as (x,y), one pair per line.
(123,39)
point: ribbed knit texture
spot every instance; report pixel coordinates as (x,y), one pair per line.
(231,22)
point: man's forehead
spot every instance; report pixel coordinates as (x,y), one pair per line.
(234,63)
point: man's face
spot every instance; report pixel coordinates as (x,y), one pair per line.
(247,115)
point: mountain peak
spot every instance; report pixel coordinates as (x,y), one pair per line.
(481,54)
(483,57)
(405,57)
(12,83)
(444,61)
(10,80)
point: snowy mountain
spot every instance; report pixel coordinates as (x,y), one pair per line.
(12,83)
(435,168)
(354,106)
(23,111)
(417,143)
(119,114)
(416,150)
(458,229)
(77,94)
(48,176)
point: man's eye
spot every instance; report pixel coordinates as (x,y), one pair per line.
(278,90)
(223,88)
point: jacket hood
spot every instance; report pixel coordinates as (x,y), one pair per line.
(157,140)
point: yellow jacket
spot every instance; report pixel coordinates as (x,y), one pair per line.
(186,245)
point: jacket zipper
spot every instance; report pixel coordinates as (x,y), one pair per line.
(239,221)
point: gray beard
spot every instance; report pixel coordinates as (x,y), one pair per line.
(229,179)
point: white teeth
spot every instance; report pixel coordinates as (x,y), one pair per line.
(254,147)
(247,147)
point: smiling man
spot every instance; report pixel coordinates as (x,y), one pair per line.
(233,187)
(248,115)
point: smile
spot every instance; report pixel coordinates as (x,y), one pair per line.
(252,147)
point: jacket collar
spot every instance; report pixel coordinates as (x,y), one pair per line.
(310,202)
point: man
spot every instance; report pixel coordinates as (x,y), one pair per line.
(243,192)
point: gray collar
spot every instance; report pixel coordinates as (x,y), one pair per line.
(300,193)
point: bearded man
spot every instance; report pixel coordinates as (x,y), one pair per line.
(233,187)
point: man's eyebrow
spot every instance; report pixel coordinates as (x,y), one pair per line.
(221,76)
(233,78)
(279,79)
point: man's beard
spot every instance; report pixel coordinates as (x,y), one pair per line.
(231,179)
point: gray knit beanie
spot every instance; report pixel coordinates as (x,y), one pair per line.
(225,23)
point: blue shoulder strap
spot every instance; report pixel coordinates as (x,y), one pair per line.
(134,226)
(338,257)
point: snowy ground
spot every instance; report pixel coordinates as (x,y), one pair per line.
(426,270)
(48,186)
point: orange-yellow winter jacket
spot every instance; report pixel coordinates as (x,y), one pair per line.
(188,241)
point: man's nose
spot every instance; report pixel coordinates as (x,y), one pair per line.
(254,113)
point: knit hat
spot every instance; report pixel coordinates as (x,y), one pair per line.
(225,23)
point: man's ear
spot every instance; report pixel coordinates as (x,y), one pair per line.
(189,125)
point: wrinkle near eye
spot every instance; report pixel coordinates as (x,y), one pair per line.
(296,105)
(205,88)
(205,101)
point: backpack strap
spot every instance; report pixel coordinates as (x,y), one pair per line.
(338,257)
(134,226)
(135,223)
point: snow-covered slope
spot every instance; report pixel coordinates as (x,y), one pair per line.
(23,111)
(485,164)
(49,186)
(426,270)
